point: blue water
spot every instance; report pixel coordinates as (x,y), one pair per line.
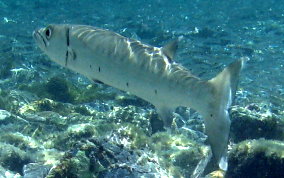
(215,33)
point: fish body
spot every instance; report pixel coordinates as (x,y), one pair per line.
(147,72)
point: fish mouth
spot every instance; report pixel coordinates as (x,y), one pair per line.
(39,39)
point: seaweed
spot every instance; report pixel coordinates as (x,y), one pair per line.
(59,90)
(257,158)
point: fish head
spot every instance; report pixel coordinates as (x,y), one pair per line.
(53,41)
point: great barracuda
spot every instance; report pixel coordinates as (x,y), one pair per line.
(147,72)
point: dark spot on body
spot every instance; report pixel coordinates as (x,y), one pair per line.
(211,115)
(156,92)
(127,84)
(67,37)
(66,58)
(90,66)
(74,55)
(99,69)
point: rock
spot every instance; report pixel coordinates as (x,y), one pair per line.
(254,122)
(216,174)
(35,170)
(62,90)
(19,140)
(131,114)
(81,130)
(156,123)
(179,154)
(125,100)
(8,174)
(73,164)
(257,158)
(12,158)
(4,116)
(105,158)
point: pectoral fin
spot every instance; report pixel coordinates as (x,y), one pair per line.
(166,114)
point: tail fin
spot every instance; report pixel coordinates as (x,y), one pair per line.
(217,121)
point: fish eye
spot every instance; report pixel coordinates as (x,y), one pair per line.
(48,33)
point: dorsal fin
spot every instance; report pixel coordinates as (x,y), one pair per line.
(170,49)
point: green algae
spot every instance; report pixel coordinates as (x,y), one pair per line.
(79,131)
(104,128)
(62,90)
(268,147)
(137,137)
(257,158)
(251,123)
(40,106)
(82,110)
(19,140)
(5,67)
(13,158)
(176,152)
(93,92)
(69,166)
(187,159)
(55,88)
(53,123)
(5,102)
(49,105)
(66,168)
(131,114)
(126,100)
(46,104)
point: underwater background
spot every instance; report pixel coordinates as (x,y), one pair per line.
(56,123)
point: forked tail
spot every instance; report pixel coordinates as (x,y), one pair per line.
(217,121)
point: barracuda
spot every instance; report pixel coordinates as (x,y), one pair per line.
(147,72)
